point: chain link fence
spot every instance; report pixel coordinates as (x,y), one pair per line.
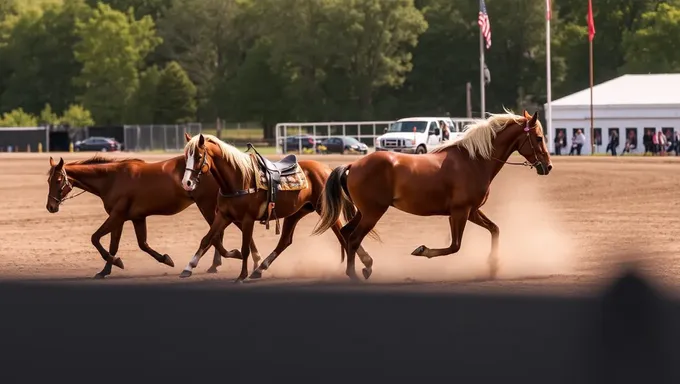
(158,137)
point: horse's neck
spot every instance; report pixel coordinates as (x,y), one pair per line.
(226,175)
(87,178)
(504,146)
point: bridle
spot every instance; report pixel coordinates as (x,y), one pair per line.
(204,168)
(65,183)
(525,163)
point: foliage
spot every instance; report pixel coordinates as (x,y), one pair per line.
(18,118)
(48,117)
(77,116)
(175,96)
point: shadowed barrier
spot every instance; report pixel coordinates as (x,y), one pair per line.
(222,333)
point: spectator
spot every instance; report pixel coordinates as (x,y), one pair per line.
(613,143)
(577,143)
(560,142)
(648,142)
(445,130)
(662,142)
(675,143)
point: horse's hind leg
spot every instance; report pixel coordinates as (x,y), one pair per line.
(113,249)
(140,231)
(364,257)
(367,221)
(286,239)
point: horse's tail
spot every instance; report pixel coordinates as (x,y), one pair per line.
(334,200)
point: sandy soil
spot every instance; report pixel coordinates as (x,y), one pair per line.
(564,233)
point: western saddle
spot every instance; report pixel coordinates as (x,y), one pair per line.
(273,172)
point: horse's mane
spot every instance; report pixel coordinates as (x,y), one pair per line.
(241,161)
(99,159)
(478,138)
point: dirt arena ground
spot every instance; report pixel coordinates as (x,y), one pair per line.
(565,233)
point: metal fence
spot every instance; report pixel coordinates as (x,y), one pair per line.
(158,137)
(364,131)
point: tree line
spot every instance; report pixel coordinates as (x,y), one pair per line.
(174,61)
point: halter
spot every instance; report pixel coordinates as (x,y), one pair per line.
(525,163)
(202,169)
(64,184)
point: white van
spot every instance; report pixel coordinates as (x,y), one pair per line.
(415,135)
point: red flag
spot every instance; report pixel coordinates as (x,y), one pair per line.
(591,21)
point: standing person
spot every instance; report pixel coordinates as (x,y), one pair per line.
(662,143)
(560,142)
(676,143)
(577,143)
(613,143)
(445,130)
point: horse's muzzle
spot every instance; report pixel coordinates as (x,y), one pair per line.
(542,169)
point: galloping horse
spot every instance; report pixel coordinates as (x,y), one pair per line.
(132,189)
(455,179)
(253,188)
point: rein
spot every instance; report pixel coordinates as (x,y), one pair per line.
(68,184)
(524,163)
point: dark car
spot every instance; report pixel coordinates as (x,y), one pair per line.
(96,143)
(293,143)
(345,145)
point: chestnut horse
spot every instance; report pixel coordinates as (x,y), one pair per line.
(452,180)
(132,189)
(242,201)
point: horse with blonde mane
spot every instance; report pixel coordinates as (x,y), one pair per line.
(252,188)
(454,178)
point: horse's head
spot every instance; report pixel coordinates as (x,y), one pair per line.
(531,144)
(58,185)
(197,159)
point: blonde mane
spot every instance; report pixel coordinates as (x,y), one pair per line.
(479,136)
(241,161)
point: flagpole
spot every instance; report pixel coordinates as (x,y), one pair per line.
(481,74)
(548,64)
(592,130)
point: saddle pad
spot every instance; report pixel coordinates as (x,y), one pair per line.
(295,182)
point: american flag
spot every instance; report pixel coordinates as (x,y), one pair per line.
(484,24)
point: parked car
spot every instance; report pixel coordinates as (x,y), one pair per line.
(97,143)
(345,145)
(293,143)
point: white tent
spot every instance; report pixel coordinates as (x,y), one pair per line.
(630,104)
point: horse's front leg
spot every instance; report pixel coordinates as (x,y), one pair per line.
(457,221)
(218,226)
(479,218)
(247,227)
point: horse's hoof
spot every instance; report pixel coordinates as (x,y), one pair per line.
(367,272)
(185,273)
(118,262)
(419,251)
(212,269)
(98,276)
(238,281)
(168,261)
(255,275)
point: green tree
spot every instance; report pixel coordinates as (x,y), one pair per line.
(175,96)
(18,118)
(77,116)
(37,65)
(143,103)
(654,46)
(112,48)
(48,117)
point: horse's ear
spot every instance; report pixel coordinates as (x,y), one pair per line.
(61,163)
(533,120)
(201,140)
(187,136)
(52,163)
(527,115)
